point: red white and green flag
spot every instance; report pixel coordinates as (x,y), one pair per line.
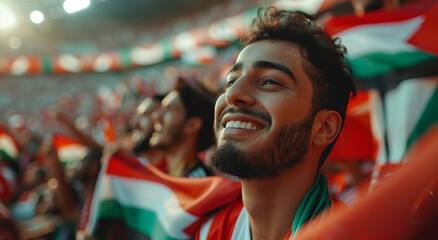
(362,137)
(9,151)
(154,204)
(383,41)
(8,146)
(69,149)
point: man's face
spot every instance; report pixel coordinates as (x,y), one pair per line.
(169,122)
(144,124)
(263,120)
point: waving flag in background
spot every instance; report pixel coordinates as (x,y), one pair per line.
(379,42)
(154,204)
(8,152)
(393,53)
(69,149)
(8,146)
(382,43)
(362,135)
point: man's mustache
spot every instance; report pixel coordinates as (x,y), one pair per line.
(247,111)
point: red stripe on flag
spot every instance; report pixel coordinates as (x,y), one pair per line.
(339,24)
(60,141)
(426,37)
(401,207)
(356,140)
(196,196)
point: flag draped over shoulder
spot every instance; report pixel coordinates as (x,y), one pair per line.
(411,109)
(394,52)
(155,204)
(380,42)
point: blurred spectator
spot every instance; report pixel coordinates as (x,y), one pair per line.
(182,127)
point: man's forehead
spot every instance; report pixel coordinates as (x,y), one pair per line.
(276,51)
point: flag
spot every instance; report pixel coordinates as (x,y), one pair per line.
(402,207)
(379,42)
(426,37)
(8,146)
(362,137)
(410,110)
(8,174)
(69,149)
(154,204)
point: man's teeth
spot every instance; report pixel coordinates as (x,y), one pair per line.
(239,124)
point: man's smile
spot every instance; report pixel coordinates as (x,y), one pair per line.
(240,125)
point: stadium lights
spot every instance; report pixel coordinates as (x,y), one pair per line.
(7,19)
(37,17)
(71,6)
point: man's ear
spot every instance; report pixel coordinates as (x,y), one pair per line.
(193,124)
(327,126)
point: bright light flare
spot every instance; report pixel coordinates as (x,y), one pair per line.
(37,17)
(71,6)
(7,19)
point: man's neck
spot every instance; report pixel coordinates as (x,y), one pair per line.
(153,155)
(179,152)
(272,203)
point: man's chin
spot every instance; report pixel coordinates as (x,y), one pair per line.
(230,159)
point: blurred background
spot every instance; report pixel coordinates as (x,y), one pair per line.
(90,62)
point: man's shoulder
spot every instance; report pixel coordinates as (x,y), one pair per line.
(221,224)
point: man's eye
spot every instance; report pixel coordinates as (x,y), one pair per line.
(229,84)
(269,82)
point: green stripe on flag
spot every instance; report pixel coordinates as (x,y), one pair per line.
(375,64)
(428,118)
(141,220)
(110,209)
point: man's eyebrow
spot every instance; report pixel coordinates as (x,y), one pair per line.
(266,64)
(236,67)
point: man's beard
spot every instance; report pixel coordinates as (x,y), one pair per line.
(288,148)
(174,134)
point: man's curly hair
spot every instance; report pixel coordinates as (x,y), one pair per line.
(326,64)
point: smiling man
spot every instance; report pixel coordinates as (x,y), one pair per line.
(281,112)
(182,128)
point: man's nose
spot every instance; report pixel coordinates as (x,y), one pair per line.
(157,114)
(241,93)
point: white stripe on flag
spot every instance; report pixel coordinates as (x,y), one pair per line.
(380,38)
(205,229)
(241,229)
(156,198)
(404,106)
